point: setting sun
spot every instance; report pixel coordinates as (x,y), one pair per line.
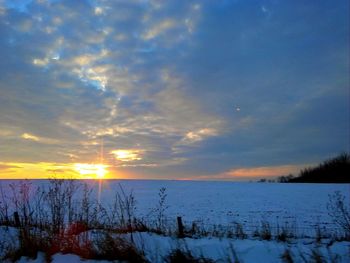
(94,171)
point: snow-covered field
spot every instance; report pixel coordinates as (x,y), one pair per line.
(227,202)
(301,206)
(223,202)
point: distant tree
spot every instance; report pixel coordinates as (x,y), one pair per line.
(262,180)
(282,179)
(334,170)
(285,179)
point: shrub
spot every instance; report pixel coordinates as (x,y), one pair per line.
(30,243)
(285,232)
(265,231)
(287,256)
(339,212)
(239,231)
(116,248)
(160,210)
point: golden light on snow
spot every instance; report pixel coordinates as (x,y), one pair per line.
(95,171)
(127,155)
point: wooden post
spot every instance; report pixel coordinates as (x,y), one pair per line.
(180,227)
(17,222)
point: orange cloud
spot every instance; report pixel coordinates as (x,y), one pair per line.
(254,173)
(265,171)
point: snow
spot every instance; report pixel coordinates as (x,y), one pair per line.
(157,247)
(303,206)
(223,203)
(39,259)
(247,250)
(60,258)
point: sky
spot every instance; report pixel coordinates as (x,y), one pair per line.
(200,90)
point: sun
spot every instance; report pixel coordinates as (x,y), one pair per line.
(91,171)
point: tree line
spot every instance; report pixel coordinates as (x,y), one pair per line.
(333,170)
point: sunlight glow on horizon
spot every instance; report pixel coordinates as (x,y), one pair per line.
(98,171)
(47,170)
(95,170)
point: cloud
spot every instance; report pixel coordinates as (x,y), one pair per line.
(196,136)
(262,172)
(4,166)
(251,173)
(167,77)
(31,137)
(28,136)
(34,170)
(127,155)
(158,29)
(39,170)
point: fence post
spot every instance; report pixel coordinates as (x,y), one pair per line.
(17,222)
(180,227)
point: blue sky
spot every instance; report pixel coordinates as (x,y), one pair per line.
(175,89)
